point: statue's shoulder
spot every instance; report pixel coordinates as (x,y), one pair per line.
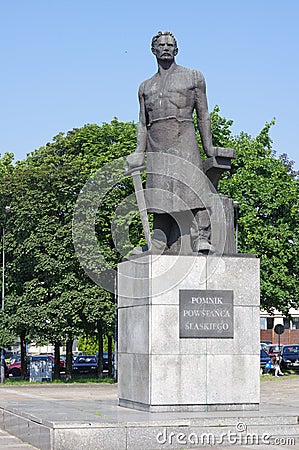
(147,83)
(194,73)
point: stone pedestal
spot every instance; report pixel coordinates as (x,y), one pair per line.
(159,370)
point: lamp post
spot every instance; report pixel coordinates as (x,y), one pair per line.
(7,211)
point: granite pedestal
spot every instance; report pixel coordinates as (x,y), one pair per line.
(159,370)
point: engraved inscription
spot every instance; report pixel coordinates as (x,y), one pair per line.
(206,314)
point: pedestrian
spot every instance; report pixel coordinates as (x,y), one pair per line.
(276,364)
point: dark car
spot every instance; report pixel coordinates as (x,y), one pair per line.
(266,343)
(290,357)
(85,364)
(264,358)
(274,350)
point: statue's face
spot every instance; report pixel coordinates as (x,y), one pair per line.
(165,48)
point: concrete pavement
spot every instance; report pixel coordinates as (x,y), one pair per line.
(9,442)
(86,416)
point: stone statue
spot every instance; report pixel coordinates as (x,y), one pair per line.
(166,128)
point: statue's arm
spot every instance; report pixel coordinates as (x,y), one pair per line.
(141,127)
(136,159)
(203,116)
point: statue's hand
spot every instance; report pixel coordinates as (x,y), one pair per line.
(211,151)
(135,160)
(222,152)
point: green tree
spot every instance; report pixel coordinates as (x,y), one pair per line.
(51,298)
(266,189)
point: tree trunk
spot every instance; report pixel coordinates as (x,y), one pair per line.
(69,359)
(24,373)
(56,374)
(100,350)
(110,367)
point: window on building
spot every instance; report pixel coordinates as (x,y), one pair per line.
(295,323)
(286,323)
(263,323)
(270,323)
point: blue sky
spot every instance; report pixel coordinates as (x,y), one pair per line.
(70,62)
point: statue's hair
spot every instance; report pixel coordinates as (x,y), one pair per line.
(163,33)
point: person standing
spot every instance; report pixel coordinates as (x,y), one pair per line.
(276,365)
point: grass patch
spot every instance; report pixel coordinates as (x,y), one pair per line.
(273,379)
(81,379)
(77,379)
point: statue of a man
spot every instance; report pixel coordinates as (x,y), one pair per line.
(167,103)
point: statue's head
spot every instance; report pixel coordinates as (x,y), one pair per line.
(164,45)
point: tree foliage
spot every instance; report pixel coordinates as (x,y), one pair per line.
(266,189)
(49,296)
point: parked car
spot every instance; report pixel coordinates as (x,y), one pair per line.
(290,357)
(62,361)
(14,368)
(274,349)
(264,358)
(85,364)
(8,355)
(15,358)
(266,343)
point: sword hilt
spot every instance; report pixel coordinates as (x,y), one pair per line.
(134,169)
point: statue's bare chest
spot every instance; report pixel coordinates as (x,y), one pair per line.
(174,91)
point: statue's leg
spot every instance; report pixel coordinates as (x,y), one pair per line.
(161,230)
(178,238)
(200,231)
(173,230)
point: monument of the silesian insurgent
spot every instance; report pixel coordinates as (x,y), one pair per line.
(188,304)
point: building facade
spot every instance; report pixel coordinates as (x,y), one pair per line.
(291,327)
